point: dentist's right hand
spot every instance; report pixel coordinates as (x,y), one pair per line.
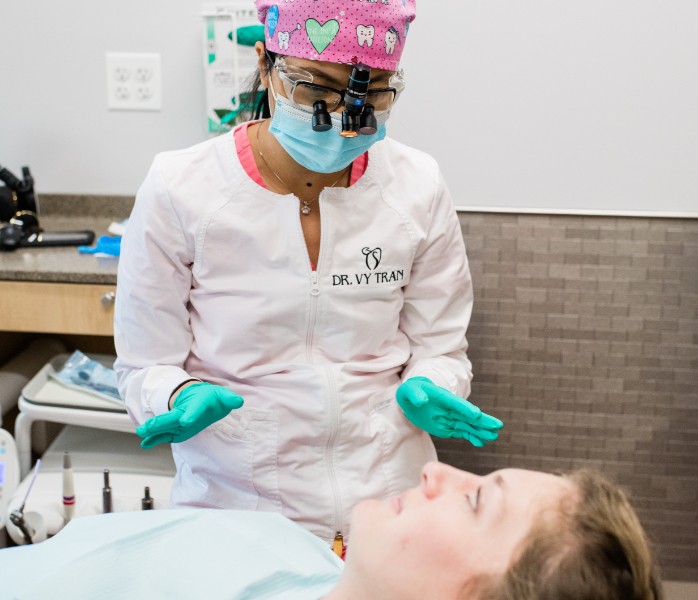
(195,407)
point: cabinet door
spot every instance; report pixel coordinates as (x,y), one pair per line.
(57,307)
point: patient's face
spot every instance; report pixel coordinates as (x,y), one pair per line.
(451,527)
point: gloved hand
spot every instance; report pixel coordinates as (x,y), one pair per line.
(196,407)
(443,414)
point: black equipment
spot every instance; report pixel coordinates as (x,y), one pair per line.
(18,195)
(321,118)
(19,217)
(355,118)
(358,116)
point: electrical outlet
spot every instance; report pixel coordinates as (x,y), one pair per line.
(134,81)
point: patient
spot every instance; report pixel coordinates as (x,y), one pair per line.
(511,535)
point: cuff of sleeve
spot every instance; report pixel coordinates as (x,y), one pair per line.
(159,397)
(444,380)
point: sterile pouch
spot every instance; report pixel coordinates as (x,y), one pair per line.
(88,375)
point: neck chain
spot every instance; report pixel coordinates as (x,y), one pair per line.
(305,209)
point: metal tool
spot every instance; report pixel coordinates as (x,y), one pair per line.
(17,516)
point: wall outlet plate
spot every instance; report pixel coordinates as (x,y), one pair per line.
(134,81)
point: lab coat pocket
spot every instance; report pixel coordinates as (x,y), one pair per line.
(233,462)
(405,449)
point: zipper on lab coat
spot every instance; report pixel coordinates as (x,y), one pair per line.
(314,293)
(333,423)
(333,418)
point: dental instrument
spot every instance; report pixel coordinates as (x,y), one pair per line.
(17,516)
(68,488)
(147,501)
(106,493)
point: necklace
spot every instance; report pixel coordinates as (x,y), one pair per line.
(305,209)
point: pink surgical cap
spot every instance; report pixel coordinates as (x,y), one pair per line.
(372,32)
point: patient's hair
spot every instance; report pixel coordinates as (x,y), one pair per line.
(594,549)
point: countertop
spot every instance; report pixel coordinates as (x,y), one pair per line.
(66,264)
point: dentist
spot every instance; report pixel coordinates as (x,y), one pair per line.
(293,296)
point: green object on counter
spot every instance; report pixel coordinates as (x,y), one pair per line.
(195,408)
(248,35)
(443,414)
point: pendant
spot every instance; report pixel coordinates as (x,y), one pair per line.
(305,210)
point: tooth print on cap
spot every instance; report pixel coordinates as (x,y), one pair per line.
(372,32)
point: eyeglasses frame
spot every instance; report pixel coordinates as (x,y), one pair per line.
(282,70)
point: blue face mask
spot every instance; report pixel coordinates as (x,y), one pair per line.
(319,151)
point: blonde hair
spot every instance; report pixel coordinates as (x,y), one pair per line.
(594,549)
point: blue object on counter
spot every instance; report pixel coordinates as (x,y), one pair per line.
(106,244)
(85,373)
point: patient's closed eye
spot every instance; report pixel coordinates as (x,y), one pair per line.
(474,500)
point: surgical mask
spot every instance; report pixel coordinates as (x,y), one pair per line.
(319,151)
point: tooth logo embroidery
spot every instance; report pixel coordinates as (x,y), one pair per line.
(373,257)
(364,34)
(391,36)
(285,36)
(321,36)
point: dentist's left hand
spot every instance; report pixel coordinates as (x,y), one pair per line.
(443,414)
(194,408)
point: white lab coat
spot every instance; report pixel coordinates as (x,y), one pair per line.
(215,283)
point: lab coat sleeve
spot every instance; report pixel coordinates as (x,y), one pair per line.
(152,333)
(438,301)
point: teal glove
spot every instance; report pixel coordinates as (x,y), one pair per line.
(443,414)
(196,407)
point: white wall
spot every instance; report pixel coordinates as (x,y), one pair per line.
(585,104)
(589,105)
(53,113)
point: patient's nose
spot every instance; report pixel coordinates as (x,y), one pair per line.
(438,478)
